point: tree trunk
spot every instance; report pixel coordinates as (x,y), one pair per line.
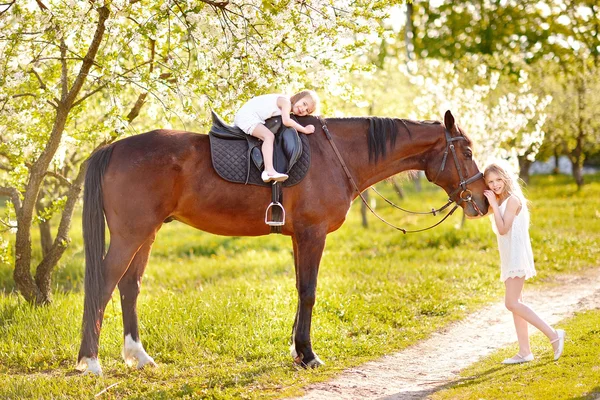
(577,153)
(524,166)
(577,174)
(556,169)
(45,228)
(397,188)
(363,210)
(43,274)
(417,180)
(40,293)
(461,224)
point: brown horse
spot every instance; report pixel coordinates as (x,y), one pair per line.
(140,182)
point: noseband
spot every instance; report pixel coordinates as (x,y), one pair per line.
(464,196)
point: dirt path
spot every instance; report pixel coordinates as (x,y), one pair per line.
(428,366)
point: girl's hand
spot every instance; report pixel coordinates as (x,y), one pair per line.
(308,129)
(491,196)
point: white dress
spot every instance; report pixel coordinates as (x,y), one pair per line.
(256,111)
(516,255)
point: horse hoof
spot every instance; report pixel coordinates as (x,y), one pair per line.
(147,363)
(89,366)
(134,354)
(314,363)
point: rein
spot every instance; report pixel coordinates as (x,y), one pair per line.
(462,185)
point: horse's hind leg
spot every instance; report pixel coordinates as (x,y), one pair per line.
(129,288)
(116,262)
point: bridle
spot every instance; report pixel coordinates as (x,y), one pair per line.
(465,194)
(462,186)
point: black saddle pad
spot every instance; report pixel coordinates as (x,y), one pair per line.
(231,160)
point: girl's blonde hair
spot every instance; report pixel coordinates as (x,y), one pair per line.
(306,93)
(511,183)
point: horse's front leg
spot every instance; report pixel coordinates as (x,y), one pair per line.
(308,249)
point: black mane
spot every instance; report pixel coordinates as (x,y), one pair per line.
(380,131)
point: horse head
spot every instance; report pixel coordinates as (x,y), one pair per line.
(450,165)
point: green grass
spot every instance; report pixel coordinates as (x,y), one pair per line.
(216,312)
(575,376)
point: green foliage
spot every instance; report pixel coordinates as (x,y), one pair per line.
(216,312)
(573,115)
(529,30)
(75,75)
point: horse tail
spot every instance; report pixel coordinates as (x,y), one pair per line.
(94,237)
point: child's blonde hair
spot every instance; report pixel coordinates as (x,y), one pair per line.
(511,184)
(306,93)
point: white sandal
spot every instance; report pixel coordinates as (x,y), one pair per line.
(277,177)
(518,359)
(561,343)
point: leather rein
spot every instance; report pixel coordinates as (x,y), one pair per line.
(465,194)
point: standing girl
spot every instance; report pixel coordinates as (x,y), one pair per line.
(252,116)
(510,222)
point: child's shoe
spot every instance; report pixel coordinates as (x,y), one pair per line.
(277,177)
(561,343)
(518,359)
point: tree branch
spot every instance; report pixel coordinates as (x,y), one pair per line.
(217,4)
(59,177)
(7,8)
(13,193)
(64,74)
(135,110)
(88,60)
(41,5)
(101,87)
(39,78)
(90,94)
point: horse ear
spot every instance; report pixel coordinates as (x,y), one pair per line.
(449,120)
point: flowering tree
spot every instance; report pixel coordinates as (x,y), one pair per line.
(74,75)
(504,126)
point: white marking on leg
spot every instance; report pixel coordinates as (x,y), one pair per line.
(89,366)
(293,351)
(134,352)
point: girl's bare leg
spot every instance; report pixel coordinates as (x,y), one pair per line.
(512,300)
(522,335)
(264,134)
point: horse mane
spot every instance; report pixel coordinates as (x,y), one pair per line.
(381,130)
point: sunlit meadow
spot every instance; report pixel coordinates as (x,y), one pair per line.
(216,312)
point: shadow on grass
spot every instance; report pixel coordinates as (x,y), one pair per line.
(496,372)
(422,394)
(226,385)
(593,395)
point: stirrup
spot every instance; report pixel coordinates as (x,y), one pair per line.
(275,223)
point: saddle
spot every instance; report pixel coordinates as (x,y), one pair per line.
(237,157)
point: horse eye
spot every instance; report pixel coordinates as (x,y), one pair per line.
(468,154)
